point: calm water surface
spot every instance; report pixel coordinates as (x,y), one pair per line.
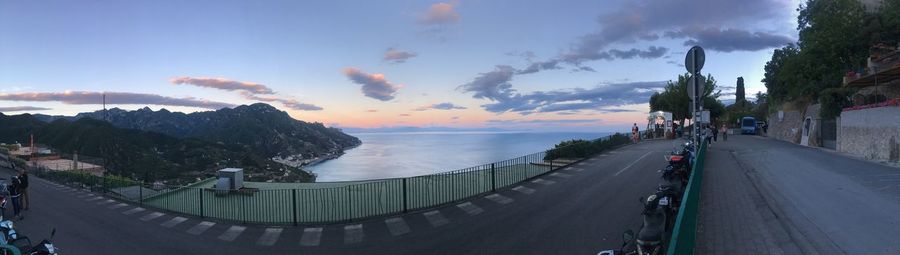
(388,155)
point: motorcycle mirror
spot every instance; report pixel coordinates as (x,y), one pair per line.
(52,233)
(628,236)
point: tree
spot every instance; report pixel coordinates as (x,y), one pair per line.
(675,99)
(739,92)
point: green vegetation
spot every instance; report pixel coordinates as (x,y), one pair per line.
(4,150)
(675,99)
(18,163)
(835,36)
(585,148)
(833,100)
(145,155)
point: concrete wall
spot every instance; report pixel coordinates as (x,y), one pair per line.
(871,133)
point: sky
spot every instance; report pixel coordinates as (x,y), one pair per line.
(525,65)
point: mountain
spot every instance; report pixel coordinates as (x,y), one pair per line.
(258,127)
(145,155)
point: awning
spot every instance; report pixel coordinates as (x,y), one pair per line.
(884,77)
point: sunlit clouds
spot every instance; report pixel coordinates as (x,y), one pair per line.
(373,85)
(113,98)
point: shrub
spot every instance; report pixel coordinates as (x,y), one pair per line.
(585,148)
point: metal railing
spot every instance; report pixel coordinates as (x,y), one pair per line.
(306,203)
(685,231)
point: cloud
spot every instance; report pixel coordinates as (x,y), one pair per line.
(440,14)
(441,106)
(223,84)
(395,56)
(651,52)
(496,87)
(404,115)
(728,40)
(22,108)
(287,102)
(454,118)
(116,98)
(372,110)
(543,121)
(374,85)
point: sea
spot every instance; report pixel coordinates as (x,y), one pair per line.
(390,155)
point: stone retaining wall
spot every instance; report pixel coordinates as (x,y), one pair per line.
(871,133)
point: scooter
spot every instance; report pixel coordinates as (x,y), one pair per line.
(650,238)
(627,237)
(45,247)
(7,232)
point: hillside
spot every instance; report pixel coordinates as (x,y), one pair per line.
(145,155)
(258,127)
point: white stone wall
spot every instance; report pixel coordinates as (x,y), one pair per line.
(871,133)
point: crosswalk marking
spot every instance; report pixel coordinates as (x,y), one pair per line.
(499,199)
(173,222)
(353,234)
(523,189)
(582,163)
(269,237)
(311,237)
(106,202)
(542,181)
(151,216)
(200,228)
(470,208)
(397,226)
(232,233)
(435,218)
(575,169)
(558,174)
(93,199)
(133,211)
(120,205)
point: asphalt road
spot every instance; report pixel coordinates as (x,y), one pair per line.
(581,209)
(828,203)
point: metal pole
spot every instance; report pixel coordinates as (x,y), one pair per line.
(405,208)
(201,203)
(493,184)
(294,201)
(141,193)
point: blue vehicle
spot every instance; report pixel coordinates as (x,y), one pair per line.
(748,126)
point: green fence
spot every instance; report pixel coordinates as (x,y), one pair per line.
(685,231)
(302,203)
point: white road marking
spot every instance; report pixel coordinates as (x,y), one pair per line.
(582,163)
(632,163)
(232,233)
(152,216)
(353,234)
(200,228)
(311,237)
(542,181)
(120,205)
(576,169)
(523,189)
(558,174)
(269,237)
(435,218)
(470,208)
(93,199)
(604,155)
(173,222)
(106,202)
(133,211)
(499,199)
(397,226)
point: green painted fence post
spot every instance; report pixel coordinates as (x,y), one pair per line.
(294,201)
(201,203)
(405,208)
(141,193)
(493,184)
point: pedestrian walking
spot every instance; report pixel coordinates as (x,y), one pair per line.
(715,133)
(14,188)
(634,133)
(23,178)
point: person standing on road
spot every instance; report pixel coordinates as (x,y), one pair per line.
(23,178)
(634,133)
(724,133)
(715,133)
(14,189)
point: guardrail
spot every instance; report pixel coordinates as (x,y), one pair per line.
(685,231)
(308,203)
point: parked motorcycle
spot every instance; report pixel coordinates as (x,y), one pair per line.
(650,237)
(627,237)
(7,232)
(45,247)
